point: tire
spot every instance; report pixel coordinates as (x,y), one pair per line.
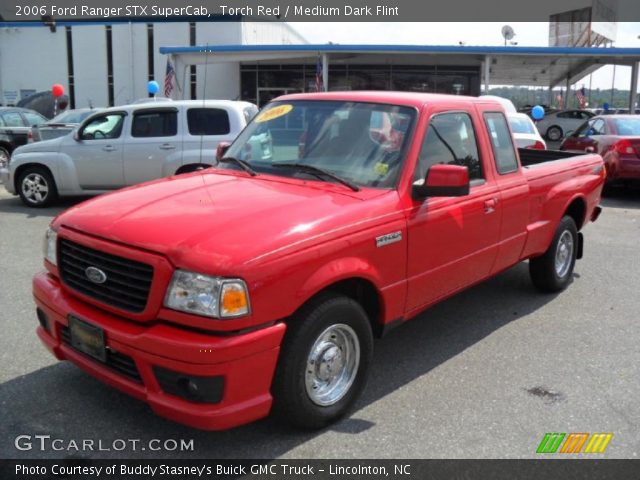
(553,271)
(554,133)
(36,187)
(336,331)
(5,155)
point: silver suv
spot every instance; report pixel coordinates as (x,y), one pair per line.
(126,145)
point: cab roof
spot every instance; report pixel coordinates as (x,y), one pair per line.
(411,99)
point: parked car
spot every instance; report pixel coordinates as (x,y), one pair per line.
(616,138)
(554,126)
(60,125)
(260,283)
(125,145)
(525,132)
(15,125)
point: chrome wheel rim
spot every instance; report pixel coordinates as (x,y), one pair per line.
(332,365)
(554,134)
(564,253)
(35,188)
(4,158)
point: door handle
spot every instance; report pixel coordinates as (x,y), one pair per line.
(490,205)
(108,148)
(167,146)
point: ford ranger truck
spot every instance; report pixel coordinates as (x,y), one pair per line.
(259,284)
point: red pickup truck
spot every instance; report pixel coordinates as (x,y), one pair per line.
(260,284)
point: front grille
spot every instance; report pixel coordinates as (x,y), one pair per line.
(126,287)
(116,361)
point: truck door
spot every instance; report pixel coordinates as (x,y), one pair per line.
(514,188)
(452,240)
(154,147)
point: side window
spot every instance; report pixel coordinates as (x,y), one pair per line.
(564,115)
(598,127)
(501,142)
(583,130)
(450,139)
(208,121)
(155,124)
(33,119)
(105,126)
(12,119)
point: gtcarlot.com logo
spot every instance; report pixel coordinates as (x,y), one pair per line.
(574,442)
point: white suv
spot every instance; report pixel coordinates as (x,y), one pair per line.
(126,145)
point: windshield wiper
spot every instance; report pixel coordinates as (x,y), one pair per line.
(244,165)
(318,172)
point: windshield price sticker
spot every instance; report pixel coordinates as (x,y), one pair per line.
(273,113)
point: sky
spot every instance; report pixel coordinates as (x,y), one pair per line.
(528,34)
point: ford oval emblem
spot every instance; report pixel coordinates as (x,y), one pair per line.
(95,275)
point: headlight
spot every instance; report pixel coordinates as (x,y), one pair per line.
(49,246)
(205,295)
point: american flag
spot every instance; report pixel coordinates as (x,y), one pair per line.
(581,95)
(168,79)
(319,86)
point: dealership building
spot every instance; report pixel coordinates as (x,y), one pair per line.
(110,63)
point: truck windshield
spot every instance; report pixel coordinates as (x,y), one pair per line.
(362,144)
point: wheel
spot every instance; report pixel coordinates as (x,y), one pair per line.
(4,157)
(36,187)
(553,271)
(324,361)
(554,133)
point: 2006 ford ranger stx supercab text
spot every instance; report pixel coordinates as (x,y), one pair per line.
(219,295)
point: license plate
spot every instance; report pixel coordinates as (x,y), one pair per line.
(87,338)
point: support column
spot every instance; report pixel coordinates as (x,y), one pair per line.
(633,94)
(566,94)
(325,72)
(487,73)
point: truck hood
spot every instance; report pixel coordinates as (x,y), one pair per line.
(219,222)
(52,145)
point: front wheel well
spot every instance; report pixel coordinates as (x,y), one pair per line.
(6,146)
(22,168)
(365,293)
(577,210)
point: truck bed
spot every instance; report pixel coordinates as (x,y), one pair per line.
(530,157)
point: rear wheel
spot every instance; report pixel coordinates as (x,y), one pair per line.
(554,133)
(324,362)
(552,271)
(36,187)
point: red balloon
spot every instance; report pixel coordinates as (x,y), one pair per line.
(57,90)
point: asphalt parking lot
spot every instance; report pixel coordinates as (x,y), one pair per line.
(484,374)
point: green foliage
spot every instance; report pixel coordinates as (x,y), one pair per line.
(522,96)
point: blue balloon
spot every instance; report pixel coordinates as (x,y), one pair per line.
(605,105)
(537,112)
(153,87)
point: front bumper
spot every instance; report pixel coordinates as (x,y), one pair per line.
(5,178)
(246,361)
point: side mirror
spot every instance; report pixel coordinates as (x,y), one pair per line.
(222,149)
(76,135)
(444,181)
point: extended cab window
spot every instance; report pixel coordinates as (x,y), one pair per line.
(450,139)
(104,126)
(501,142)
(155,124)
(208,121)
